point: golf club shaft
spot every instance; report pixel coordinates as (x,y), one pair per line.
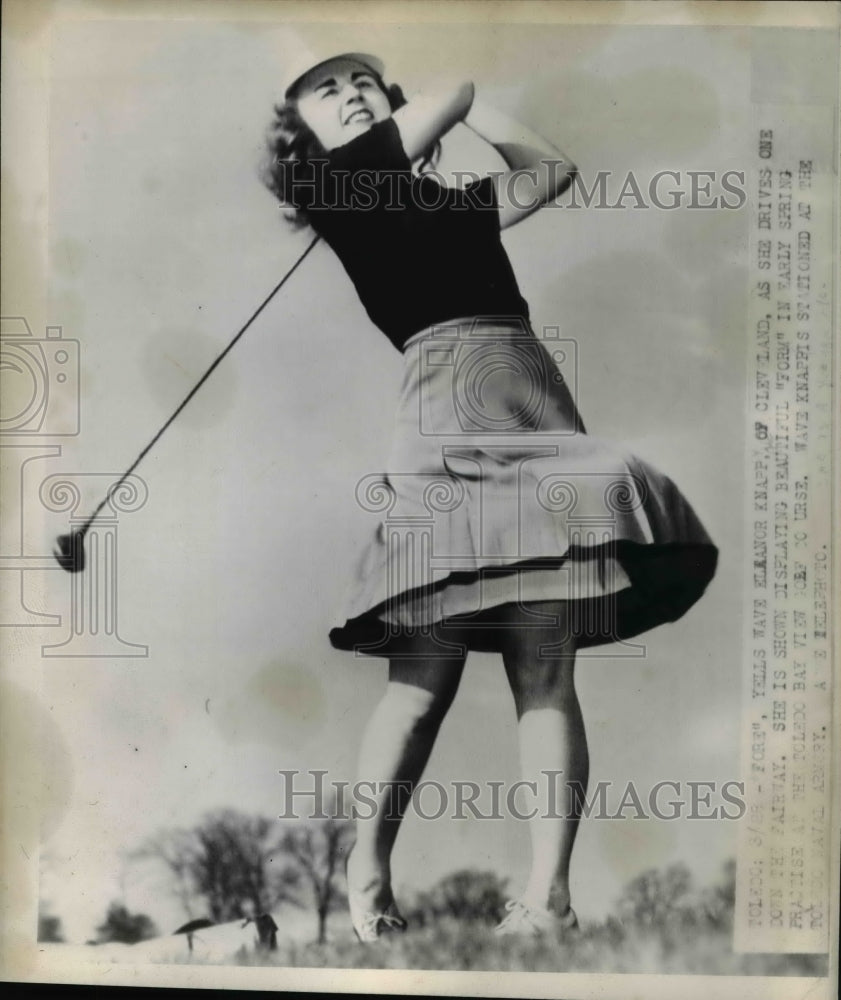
(83,530)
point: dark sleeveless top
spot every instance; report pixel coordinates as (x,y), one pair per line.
(417,252)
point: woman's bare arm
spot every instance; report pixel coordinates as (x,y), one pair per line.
(538,172)
(431,114)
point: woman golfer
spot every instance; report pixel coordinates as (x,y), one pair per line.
(505,527)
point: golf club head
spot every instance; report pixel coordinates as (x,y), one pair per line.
(70,551)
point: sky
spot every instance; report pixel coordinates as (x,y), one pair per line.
(162,242)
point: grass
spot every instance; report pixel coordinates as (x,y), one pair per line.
(608,948)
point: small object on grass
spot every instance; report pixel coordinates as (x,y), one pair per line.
(194,925)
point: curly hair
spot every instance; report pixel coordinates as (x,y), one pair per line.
(289,140)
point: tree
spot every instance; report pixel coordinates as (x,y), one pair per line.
(658,896)
(230,865)
(465,895)
(316,849)
(176,850)
(125,927)
(718,901)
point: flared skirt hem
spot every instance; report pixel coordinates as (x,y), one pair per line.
(664,581)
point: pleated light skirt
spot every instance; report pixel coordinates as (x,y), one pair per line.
(495,495)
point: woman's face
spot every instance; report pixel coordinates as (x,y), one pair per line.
(340,100)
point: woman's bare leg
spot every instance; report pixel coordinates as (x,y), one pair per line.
(396,745)
(552,738)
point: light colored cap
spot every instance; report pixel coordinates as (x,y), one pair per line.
(305,60)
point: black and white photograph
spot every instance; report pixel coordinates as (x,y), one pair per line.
(419,437)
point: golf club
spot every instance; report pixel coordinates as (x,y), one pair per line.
(70,548)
